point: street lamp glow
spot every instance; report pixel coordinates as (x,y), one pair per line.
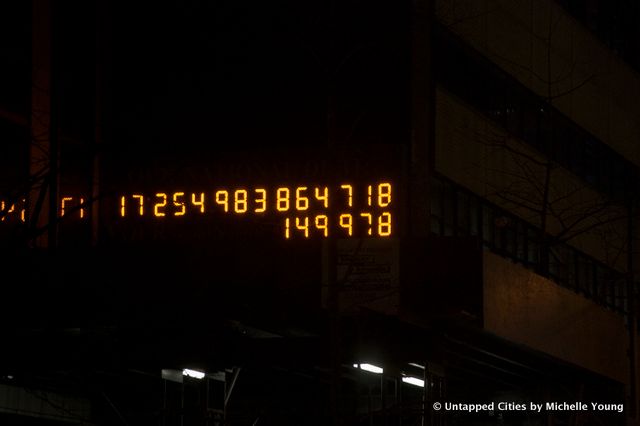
(193,373)
(371,368)
(413,381)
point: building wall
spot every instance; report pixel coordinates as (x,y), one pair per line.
(469,151)
(585,79)
(556,57)
(527,309)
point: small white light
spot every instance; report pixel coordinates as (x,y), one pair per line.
(413,364)
(371,368)
(413,381)
(193,373)
(355,366)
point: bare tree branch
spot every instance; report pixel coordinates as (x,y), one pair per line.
(573,89)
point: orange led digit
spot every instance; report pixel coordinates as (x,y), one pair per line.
(369,219)
(304,227)
(222,198)
(157,206)
(349,189)
(262,201)
(62,204)
(2,206)
(346,222)
(282,199)
(322,222)
(302,202)
(308,204)
(178,203)
(22,212)
(384,224)
(240,201)
(324,197)
(199,202)
(384,194)
(140,198)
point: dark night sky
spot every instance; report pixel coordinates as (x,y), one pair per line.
(193,85)
(186,81)
(255,74)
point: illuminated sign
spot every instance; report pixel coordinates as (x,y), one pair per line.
(300,211)
(9,211)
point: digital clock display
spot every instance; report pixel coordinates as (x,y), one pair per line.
(306,211)
(303,211)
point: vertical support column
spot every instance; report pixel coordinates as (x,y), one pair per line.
(631,307)
(41,150)
(425,396)
(54,151)
(422,151)
(103,37)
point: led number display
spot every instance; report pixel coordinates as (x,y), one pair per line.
(302,211)
(306,211)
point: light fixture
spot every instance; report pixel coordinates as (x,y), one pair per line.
(193,373)
(371,368)
(413,381)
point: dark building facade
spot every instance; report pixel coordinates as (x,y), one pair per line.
(321,213)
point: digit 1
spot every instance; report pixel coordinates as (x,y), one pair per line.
(122,205)
(286,229)
(81,207)
(369,196)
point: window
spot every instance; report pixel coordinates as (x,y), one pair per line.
(456,211)
(501,98)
